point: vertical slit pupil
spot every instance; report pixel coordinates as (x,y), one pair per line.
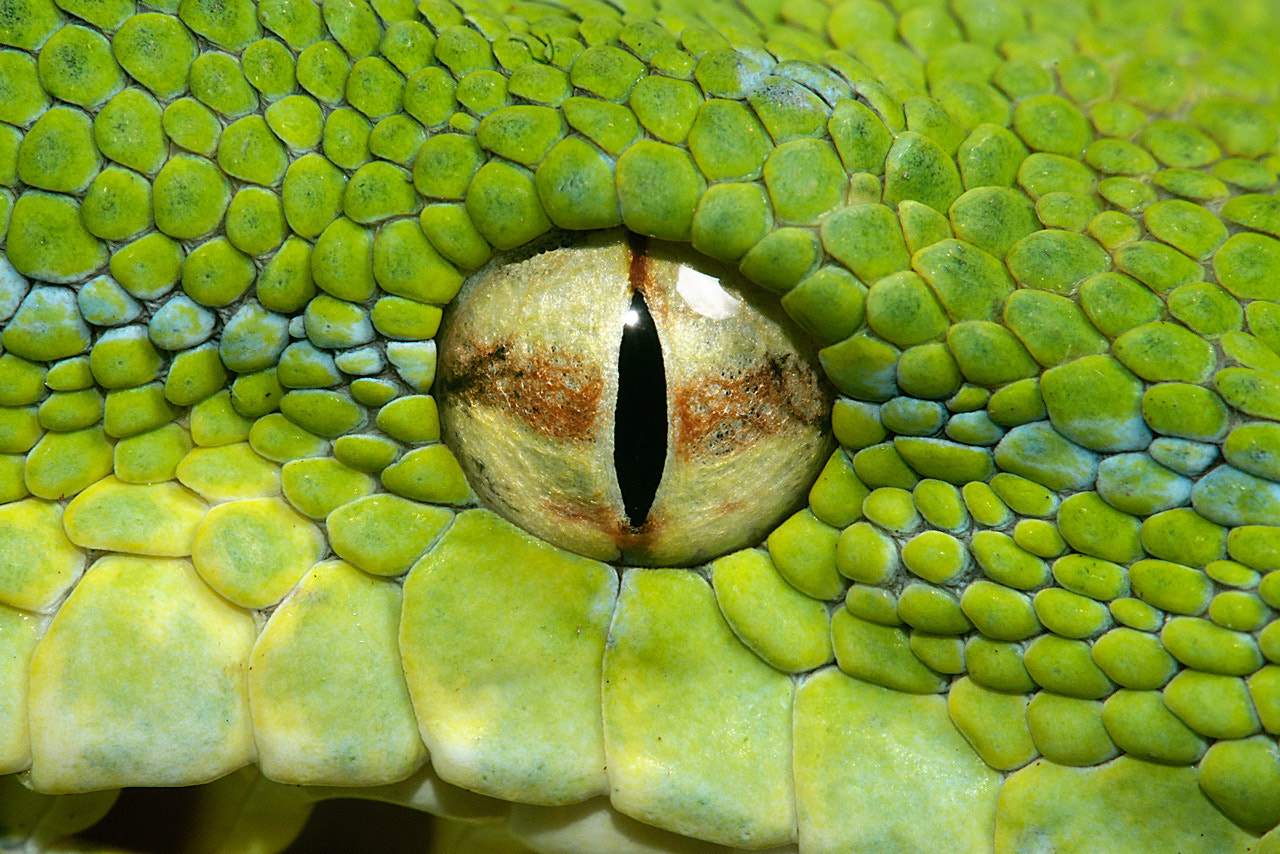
(640,422)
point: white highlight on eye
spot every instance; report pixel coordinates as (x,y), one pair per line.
(631,317)
(704,294)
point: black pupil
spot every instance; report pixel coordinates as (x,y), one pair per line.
(640,423)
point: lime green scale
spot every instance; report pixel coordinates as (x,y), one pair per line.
(1029,605)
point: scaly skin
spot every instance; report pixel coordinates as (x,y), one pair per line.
(1027,608)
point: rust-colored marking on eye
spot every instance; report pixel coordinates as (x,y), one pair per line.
(556,393)
(638,274)
(729,410)
(602,517)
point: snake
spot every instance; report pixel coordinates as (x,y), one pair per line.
(641,426)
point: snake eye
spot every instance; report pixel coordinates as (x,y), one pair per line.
(626,401)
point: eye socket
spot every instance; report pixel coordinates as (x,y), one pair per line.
(624,400)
